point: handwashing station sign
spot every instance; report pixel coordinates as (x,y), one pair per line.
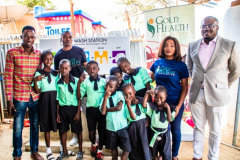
(105,50)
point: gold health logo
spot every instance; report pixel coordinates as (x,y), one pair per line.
(150,27)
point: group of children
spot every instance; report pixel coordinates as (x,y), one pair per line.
(125,110)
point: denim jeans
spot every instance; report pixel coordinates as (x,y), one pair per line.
(18,126)
(176,132)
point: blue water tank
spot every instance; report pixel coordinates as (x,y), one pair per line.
(38,10)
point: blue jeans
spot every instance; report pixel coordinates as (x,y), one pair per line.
(176,132)
(18,126)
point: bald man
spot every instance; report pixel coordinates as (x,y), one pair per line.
(77,57)
(213,64)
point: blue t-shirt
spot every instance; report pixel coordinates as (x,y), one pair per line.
(76,56)
(169,73)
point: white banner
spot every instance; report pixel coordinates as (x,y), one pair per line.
(105,50)
(178,22)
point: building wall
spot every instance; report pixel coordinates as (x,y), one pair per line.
(231,31)
(9,29)
(87,26)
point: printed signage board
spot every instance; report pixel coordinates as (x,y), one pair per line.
(105,50)
(178,22)
(56,29)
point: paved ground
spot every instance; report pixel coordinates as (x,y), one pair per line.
(185,153)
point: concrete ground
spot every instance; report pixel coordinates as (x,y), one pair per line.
(185,152)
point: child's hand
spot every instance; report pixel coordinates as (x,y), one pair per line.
(128,100)
(177,110)
(151,92)
(39,78)
(165,105)
(107,92)
(77,117)
(82,78)
(58,119)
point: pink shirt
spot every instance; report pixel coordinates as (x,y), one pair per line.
(205,51)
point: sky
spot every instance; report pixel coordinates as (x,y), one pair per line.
(99,9)
(103,10)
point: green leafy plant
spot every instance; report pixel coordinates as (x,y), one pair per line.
(135,8)
(32,3)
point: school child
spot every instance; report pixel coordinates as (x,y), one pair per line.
(44,82)
(137,129)
(94,87)
(68,108)
(160,114)
(112,105)
(118,73)
(137,76)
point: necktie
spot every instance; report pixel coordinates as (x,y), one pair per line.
(132,79)
(162,116)
(71,79)
(111,100)
(70,89)
(135,72)
(95,82)
(137,111)
(48,77)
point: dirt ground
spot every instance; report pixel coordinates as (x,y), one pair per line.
(185,153)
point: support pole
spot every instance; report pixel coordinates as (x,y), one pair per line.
(15,26)
(72,19)
(236,116)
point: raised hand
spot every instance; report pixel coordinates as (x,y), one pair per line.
(128,100)
(165,105)
(39,78)
(107,92)
(151,92)
(82,77)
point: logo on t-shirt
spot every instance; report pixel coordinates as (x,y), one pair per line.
(165,71)
(74,62)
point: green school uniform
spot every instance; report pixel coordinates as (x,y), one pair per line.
(94,97)
(141,116)
(115,120)
(140,77)
(155,122)
(44,84)
(67,93)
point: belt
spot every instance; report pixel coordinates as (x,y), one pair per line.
(155,135)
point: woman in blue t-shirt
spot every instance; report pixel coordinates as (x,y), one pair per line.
(171,72)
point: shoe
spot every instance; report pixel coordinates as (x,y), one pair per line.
(17,158)
(80,155)
(36,156)
(94,151)
(62,156)
(74,140)
(50,156)
(99,156)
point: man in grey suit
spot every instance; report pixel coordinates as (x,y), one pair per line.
(213,64)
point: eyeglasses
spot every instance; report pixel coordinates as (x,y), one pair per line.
(208,26)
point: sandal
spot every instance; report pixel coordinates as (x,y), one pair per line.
(62,156)
(70,153)
(50,156)
(80,155)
